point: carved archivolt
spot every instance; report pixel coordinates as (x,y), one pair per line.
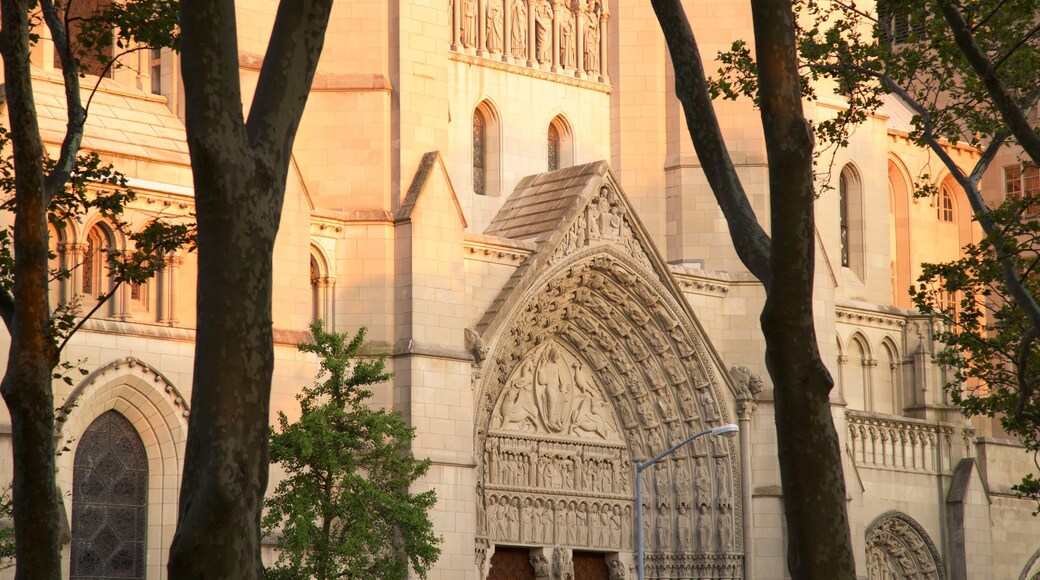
(599,366)
(899,548)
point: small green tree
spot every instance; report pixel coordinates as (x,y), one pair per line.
(344,509)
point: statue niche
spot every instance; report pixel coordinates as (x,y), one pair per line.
(551,392)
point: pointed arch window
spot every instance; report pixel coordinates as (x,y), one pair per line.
(479,153)
(109,501)
(554,147)
(95,261)
(486,144)
(560,144)
(843,202)
(850,220)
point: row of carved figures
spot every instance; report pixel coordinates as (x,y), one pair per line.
(547,521)
(679,530)
(558,472)
(609,525)
(564,35)
(573,472)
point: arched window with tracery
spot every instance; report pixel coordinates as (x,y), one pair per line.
(109,501)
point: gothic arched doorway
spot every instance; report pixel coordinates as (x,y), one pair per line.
(109,501)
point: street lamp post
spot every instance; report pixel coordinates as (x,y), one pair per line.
(727,430)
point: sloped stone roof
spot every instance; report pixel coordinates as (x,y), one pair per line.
(542,203)
(122,121)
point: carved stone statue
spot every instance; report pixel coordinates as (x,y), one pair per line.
(592,43)
(722,476)
(701,482)
(711,412)
(543,31)
(749,383)
(685,529)
(563,565)
(603,535)
(725,529)
(567,39)
(541,566)
(518,28)
(518,405)
(512,518)
(615,527)
(552,387)
(664,528)
(616,570)
(494,27)
(704,528)
(469,23)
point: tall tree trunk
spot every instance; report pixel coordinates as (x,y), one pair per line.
(240,168)
(819,542)
(26,386)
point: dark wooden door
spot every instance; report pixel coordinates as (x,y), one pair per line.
(590,566)
(511,564)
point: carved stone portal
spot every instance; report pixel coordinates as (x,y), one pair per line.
(598,366)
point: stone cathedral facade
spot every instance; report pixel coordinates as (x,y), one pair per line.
(505,194)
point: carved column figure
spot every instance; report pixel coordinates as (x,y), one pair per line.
(518,30)
(469,23)
(494,26)
(704,528)
(591,33)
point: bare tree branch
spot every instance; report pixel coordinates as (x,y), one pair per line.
(77,116)
(101,302)
(1003,100)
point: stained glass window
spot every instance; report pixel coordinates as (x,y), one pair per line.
(554,147)
(109,501)
(479,153)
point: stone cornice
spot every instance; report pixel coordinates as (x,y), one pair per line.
(531,72)
(866,316)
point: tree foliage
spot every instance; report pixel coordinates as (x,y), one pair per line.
(967,70)
(344,509)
